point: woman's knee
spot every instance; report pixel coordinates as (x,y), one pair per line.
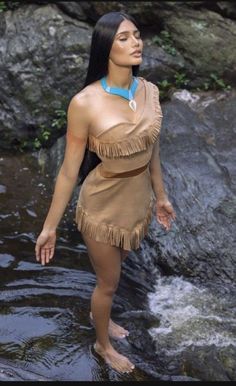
(107,287)
(106,262)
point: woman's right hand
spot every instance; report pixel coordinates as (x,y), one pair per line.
(45,246)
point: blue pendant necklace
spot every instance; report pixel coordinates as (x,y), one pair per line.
(123,92)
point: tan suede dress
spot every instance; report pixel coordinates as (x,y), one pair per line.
(118,210)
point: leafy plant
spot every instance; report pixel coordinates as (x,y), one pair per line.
(164,40)
(60,121)
(180,80)
(218,83)
(45,134)
(164,86)
(214,83)
(37,143)
(3,6)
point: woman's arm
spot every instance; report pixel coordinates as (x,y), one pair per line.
(156,173)
(164,209)
(76,139)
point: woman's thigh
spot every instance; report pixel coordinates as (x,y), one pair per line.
(106,261)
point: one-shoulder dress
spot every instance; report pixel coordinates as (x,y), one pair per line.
(118,210)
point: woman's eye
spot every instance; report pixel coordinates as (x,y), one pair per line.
(137,37)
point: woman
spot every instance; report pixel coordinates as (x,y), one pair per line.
(118,115)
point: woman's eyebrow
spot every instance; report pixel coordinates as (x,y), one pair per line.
(124,32)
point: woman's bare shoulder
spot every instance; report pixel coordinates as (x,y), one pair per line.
(82,101)
(87,92)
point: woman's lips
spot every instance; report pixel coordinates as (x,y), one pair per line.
(137,53)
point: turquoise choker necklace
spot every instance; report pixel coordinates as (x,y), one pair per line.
(124,93)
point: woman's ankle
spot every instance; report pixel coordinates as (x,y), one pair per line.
(103,346)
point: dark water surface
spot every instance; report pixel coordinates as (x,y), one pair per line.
(180,330)
(44,328)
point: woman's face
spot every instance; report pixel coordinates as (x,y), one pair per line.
(126,41)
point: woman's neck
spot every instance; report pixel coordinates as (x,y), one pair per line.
(119,80)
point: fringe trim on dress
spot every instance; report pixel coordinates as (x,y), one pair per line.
(136,142)
(111,234)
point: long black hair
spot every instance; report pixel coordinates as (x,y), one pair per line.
(101,43)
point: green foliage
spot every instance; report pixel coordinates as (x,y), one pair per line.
(44,138)
(164,40)
(180,81)
(38,142)
(60,121)
(214,83)
(164,86)
(47,135)
(5,5)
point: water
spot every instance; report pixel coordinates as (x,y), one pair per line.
(45,333)
(190,315)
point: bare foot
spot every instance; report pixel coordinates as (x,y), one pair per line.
(117,361)
(114,330)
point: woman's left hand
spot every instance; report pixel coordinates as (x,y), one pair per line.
(165,212)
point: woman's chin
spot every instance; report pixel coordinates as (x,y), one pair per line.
(137,60)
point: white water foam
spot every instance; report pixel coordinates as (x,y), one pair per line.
(189,315)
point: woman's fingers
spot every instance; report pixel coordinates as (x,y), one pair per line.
(165,213)
(164,220)
(45,247)
(47,253)
(51,253)
(43,256)
(37,252)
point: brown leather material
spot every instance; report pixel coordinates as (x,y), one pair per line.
(118,211)
(129,173)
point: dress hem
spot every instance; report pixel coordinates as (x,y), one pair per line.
(110,234)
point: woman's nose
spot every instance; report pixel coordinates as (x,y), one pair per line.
(135,40)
